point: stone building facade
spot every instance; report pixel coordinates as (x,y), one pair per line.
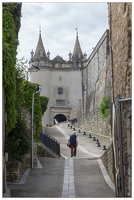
(61,81)
(98,71)
(74,87)
(120,28)
(96,83)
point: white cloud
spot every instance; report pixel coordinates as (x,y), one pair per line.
(58,22)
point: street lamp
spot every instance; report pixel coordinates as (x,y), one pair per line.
(38,90)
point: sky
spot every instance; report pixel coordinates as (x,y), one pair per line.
(58,22)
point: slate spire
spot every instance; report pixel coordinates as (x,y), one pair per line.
(77,52)
(40,50)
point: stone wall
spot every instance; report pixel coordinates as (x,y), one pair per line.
(96,75)
(14,171)
(120,26)
(44,151)
(94,123)
(107,159)
(120,19)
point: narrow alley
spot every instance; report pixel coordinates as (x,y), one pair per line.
(66,176)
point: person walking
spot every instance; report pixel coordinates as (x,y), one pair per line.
(73,141)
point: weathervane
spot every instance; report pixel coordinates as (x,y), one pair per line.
(76,31)
(40,29)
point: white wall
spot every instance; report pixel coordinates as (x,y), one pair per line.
(68,79)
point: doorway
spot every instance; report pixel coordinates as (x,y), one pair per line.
(59,118)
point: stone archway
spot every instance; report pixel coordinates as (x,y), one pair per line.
(60,118)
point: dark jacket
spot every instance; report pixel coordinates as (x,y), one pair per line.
(73,139)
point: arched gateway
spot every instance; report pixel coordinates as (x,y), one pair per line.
(60,118)
(61,80)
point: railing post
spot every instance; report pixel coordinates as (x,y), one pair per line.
(121,146)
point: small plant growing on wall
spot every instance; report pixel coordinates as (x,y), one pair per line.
(105,108)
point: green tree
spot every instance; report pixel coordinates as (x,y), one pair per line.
(28,90)
(44,102)
(21,75)
(18,141)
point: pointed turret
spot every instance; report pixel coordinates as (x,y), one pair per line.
(77,53)
(70,56)
(40,50)
(48,55)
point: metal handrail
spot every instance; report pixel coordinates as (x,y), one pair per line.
(50,142)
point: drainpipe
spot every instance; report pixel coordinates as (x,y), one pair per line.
(98,62)
(82,90)
(110,46)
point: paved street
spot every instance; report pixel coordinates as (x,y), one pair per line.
(68,177)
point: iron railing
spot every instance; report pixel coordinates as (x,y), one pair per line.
(50,142)
(125,144)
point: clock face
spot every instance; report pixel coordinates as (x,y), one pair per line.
(60,90)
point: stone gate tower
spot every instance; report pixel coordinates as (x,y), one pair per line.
(61,81)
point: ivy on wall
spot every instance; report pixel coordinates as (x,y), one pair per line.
(10,42)
(17,90)
(28,90)
(18,139)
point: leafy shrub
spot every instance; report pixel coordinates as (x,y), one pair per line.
(18,142)
(105,108)
(44,102)
(28,90)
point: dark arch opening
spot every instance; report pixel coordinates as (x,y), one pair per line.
(60,118)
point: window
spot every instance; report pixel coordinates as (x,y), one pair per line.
(60,102)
